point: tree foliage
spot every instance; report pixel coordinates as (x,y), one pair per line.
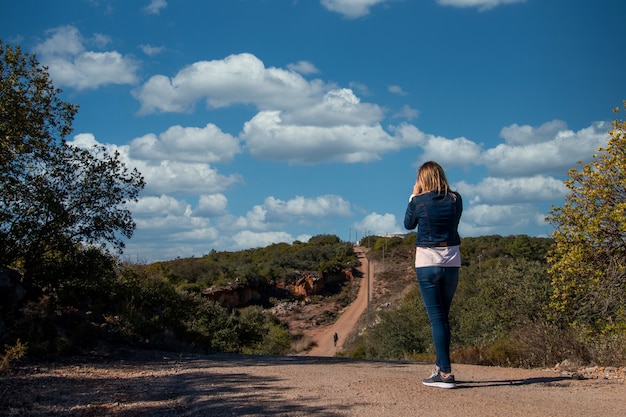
(588,260)
(54,197)
(279,262)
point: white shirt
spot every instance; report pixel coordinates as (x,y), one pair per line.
(448,256)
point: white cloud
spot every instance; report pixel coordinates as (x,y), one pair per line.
(395,89)
(255,219)
(361,88)
(451,152)
(407,113)
(336,108)
(155,6)
(509,219)
(303,67)
(276,213)
(241,78)
(165,176)
(211,205)
(556,155)
(307,208)
(300,122)
(249,239)
(480,4)
(351,8)
(267,137)
(70,64)
(152,50)
(190,144)
(512,190)
(173,177)
(516,135)
(162,205)
(377,224)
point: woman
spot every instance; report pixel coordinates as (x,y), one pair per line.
(436,210)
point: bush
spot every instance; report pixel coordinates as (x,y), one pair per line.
(10,355)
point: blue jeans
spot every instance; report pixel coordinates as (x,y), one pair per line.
(437,286)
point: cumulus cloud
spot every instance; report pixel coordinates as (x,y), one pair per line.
(211,205)
(241,78)
(71,64)
(451,152)
(299,122)
(249,239)
(190,144)
(275,212)
(255,219)
(307,208)
(516,135)
(480,4)
(351,8)
(162,205)
(483,219)
(513,190)
(336,108)
(167,176)
(268,137)
(176,177)
(378,224)
(544,155)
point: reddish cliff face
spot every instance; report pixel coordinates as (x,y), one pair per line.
(302,285)
(238,296)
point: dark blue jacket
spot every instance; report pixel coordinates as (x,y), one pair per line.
(436,217)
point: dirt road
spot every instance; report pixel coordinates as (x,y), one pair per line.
(323,337)
(163,384)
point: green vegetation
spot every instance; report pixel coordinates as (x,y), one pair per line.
(277,263)
(501,314)
(56,199)
(521,301)
(588,260)
(159,306)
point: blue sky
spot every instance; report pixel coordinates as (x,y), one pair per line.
(263,121)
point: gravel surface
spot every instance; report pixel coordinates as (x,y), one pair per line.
(164,384)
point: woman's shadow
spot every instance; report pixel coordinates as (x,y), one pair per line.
(511,382)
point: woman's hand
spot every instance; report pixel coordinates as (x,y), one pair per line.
(417,188)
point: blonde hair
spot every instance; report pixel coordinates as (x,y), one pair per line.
(431,177)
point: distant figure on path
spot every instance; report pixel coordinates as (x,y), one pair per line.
(335,338)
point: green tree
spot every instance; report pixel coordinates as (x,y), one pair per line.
(588,261)
(54,198)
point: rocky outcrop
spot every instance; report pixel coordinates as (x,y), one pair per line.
(307,284)
(301,285)
(238,295)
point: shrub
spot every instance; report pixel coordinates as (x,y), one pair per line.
(10,355)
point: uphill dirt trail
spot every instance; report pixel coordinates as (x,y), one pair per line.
(149,383)
(323,337)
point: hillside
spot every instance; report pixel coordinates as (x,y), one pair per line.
(129,382)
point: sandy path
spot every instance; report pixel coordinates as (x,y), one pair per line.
(347,321)
(164,384)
